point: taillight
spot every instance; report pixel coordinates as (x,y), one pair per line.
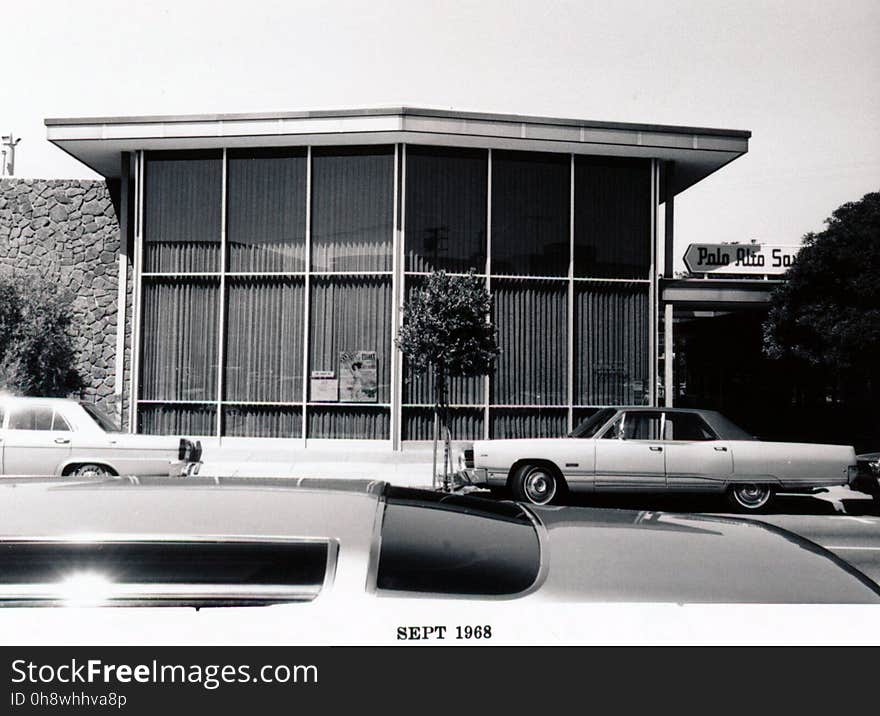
(469,457)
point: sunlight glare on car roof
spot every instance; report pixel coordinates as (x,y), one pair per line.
(86,589)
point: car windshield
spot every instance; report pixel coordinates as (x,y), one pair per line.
(589,427)
(108,425)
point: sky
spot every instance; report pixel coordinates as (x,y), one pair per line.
(803,76)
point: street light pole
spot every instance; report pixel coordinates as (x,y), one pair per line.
(12,143)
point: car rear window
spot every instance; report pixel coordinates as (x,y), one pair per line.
(178,572)
(456,545)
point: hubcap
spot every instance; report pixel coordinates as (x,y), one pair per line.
(751,496)
(89,471)
(540,487)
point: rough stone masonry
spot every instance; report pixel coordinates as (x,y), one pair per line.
(67,231)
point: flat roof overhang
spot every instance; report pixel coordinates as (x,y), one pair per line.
(98,141)
(706,294)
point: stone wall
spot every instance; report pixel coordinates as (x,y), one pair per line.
(67,231)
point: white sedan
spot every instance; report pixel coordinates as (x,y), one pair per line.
(57,436)
(657,450)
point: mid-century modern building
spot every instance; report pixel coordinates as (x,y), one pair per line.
(267,257)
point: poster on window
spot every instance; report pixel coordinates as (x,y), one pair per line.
(358,377)
(324,386)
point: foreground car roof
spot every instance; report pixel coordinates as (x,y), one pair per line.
(404,541)
(662,557)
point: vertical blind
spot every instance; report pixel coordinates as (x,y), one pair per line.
(532,330)
(534,423)
(446,209)
(177,419)
(464,423)
(348,422)
(182,206)
(531,196)
(612,218)
(266,210)
(262,421)
(264,340)
(180,339)
(352,314)
(352,209)
(611,344)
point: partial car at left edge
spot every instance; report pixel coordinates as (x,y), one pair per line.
(58,436)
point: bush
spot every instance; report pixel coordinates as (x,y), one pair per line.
(37,353)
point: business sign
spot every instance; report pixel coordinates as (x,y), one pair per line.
(358,377)
(722,259)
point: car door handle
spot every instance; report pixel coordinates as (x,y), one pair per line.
(656,448)
(721,449)
(62,441)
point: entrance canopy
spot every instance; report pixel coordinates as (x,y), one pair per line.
(700,294)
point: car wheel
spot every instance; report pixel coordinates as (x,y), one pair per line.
(537,484)
(90,470)
(750,497)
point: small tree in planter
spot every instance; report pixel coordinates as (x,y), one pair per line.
(447,327)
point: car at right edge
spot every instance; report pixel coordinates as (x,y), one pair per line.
(868,479)
(638,449)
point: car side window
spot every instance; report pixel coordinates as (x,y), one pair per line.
(59,423)
(31,417)
(641,425)
(2,415)
(687,427)
(613,432)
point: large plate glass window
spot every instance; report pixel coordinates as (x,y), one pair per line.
(612,218)
(611,344)
(532,330)
(352,208)
(264,336)
(266,210)
(531,198)
(445,209)
(182,209)
(179,356)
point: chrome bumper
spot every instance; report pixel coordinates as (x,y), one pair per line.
(474,476)
(187,469)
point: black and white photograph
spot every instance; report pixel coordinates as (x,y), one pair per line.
(439,323)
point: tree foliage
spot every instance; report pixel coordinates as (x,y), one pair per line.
(446,327)
(447,330)
(827,313)
(37,352)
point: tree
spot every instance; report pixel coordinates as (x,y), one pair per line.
(37,352)
(826,315)
(447,330)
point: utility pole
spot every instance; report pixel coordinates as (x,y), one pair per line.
(12,143)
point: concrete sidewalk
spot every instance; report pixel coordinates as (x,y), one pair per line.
(408,468)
